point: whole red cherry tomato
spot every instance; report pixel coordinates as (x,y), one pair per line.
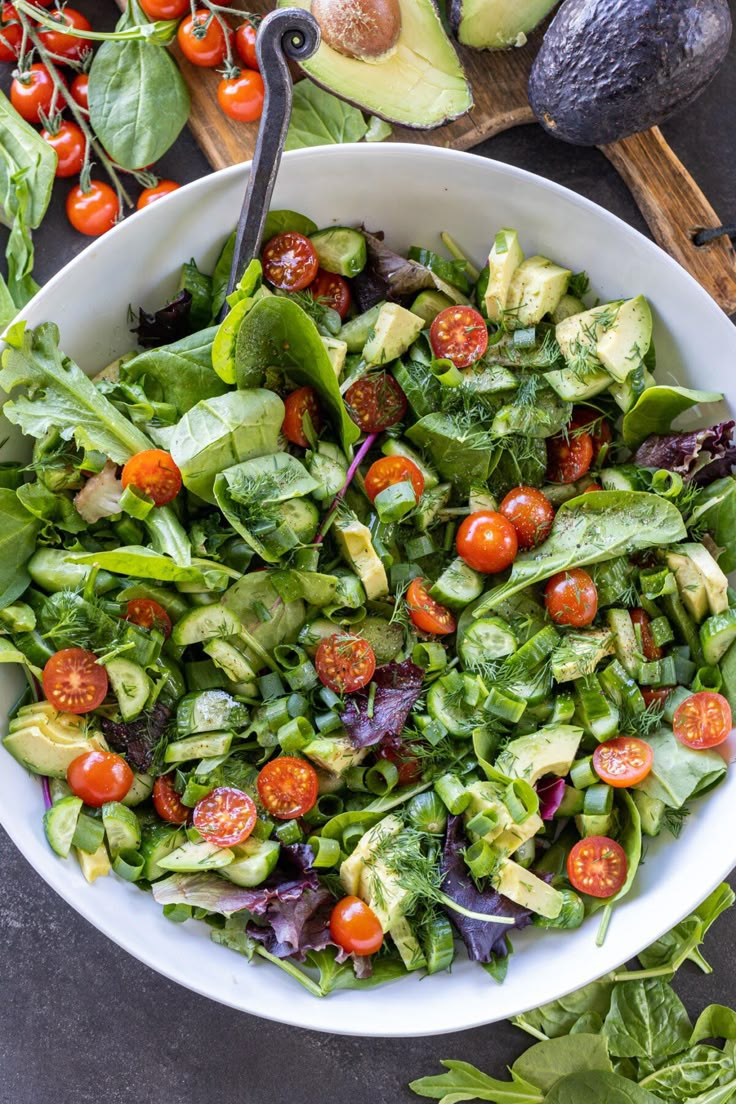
(245,41)
(156,191)
(241,97)
(202,40)
(32,94)
(487,542)
(70,146)
(95,211)
(66,45)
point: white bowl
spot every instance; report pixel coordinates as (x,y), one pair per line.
(412,193)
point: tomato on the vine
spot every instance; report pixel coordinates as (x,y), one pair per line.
(155,474)
(66,45)
(149,615)
(32,93)
(703,720)
(290,261)
(166,801)
(74,682)
(345,662)
(597,866)
(11,33)
(245,41)
(651,650)
(376,402)
(296,405)
(95,211)
(165,9)
(531,513)
(355,927)
(569,457)
(225,816)
(70,146)
(487,541)
(241,98)
(428,616)
(571,598)
(79,90)
(333,291)
(98,777)
(288,787)
(459,334)
(390,470)
(623,761)
(156,191)
(202,40)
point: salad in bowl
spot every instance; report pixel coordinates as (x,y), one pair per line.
(374,612)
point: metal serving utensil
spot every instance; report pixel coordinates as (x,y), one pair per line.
(288,33)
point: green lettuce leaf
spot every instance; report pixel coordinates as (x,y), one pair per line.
(679,773)
(180,373)
(656,409)
(53,509)
(143,563)
(265,616)
(18,532)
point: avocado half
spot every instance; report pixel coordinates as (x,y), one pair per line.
(496,24)
(421,84)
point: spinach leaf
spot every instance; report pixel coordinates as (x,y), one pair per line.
(545,1063)
(180,374)
(679,773)
(23,150)
(221,277)
(278,222)
(142,563)
(265,616)
(54,509)
(714,1022)
(646,1020)
(279,333)
(341,975)
(465,1082)
(138,99)
(590,529)
(686,1075)
(630,839)
(462,453)
(557,1018)
(18,532)
(656,409)
(320,119)
(716,511)
(682,943)
(8,309)
(599,1088)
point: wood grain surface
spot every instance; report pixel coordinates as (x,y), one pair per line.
(667,195)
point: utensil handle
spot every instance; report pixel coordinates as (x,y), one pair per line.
(676,208)
(291,33)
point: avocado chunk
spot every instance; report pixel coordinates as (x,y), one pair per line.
(579,653)
(535,290)
(551,750)
(702,585)
(367,875)
(337,351)
(96,865)
(395,329)
(520,885)
(496,24)
(420,83)
(334,753)
(503,260)
(47,742)
(354,541)
(614,336)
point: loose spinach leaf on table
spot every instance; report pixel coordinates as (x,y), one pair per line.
(599,1088)
(544,1064)
(683,942)
(557,1018)
(320,119)
(646,1020)
(685,1076)
(714,1022)
(18,532)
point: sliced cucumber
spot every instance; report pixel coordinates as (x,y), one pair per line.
(439,944)
(226,655)
(430,504)
(253,862)
(60,824)
(122,828)
(210,711)
(302,517)
(717,634)
(340,249)
(487,639)
(428,304)
(393,447)
(619,479)
(159,840)
(131,686)
(209,622)
(458,585)
(386,638)
(201,855)
(141,789)
(356,332)
(204,746)
(451,709)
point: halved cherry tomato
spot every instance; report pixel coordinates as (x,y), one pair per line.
(345,662)
(531,513)
(154,473)
(459,334)
(245,41)
(149,615)
(80,90)
(487,541)
(32,93)
(597,427)
(94,211)
(593,487)
(99,776)
(703,720)
(390,470)
(166,801)
(571,598)
(658,695)
(428,616)
(651,650)
(355,927)
(296,404)
(11,33)
(399,753)
(241,98)
(597,866)
(569,458)
(165,9)
(70,145)
(333,291)
(290,261)
(74,682)
(66,45)
(201,39)
(157,191)
(288,787)
(623,761)
(376,402)
(225,817)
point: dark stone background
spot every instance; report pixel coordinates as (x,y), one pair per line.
(81,1022)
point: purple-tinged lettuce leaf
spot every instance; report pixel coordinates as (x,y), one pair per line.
(137,740)
(700,456)
(550,792)
(166,325)
(368,289)
(205,891)
(292,925)
(398,686)
(403,277)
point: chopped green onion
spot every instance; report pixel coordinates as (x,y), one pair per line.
(481,859)
(288,832)
(381,778)
(328,722)
(271,686)
(668,484)
(129,865)
(295,734)
(708,678)
(326,851)
(453,793)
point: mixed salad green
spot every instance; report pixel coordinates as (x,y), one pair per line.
(388,613)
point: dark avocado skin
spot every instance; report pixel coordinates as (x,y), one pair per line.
(610,68)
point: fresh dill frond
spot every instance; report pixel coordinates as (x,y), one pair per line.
(579,285)
(643,724)
(674,820)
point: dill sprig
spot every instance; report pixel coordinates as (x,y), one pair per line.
(643,724)
(674,820)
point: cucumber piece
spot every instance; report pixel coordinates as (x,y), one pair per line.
(451,709)
(594,825)
(439,944)
(170,600)
(717,635)
(685,628)
(393,447)
(158,841)
(598,716)
(487,639)
(428,304)
(627,647)
(458,585)
(201,855)
(141,789)
(209,622)
(253,862)
(210,711)
(58,788)
(356,332)
(340,249)
(329,466)
(131,686)
(60,824)
(88,834)
(572,804)
(201,746)
(651,810)
(226,655)
(430,504)
(619,479)
(386,638)
(302,517)
(122,828)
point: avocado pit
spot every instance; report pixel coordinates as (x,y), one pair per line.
(367,30)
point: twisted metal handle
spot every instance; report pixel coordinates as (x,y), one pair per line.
(291,33)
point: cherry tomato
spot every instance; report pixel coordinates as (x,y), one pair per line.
(74,682)
(623,761)
(66,45)
(157,191)
(703,720)
(80,90)
(70,146)
(225,817)
(202,40)
(33,93)
(428,616)
(598,428)
(651,650)
(296,404)
(487,542)
(154,473)
(593,487)
(459,334)
(333,291)
(290,261)
(165,9)
(241,97)
(149,615)
(345,662)
(569,458)
(99,776)
(597,866)
(355,927)
(390,470)
(376,402)
(531,513)
(245,41)
(409,766)
(288,787)
(571,598)
(11,33)
(95,211)
(166,801)
(658,695)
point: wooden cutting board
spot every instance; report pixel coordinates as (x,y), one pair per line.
(667,195)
